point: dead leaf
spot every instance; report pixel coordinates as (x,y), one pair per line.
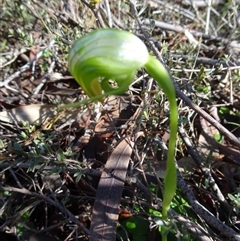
(187,165)
(37,113)
(30,113)
(109,192)
(207,145)
(32,53)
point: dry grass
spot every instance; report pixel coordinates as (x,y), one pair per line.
(51,162)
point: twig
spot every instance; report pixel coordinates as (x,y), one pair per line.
(204,213)
(96,14)
(201,3)
(205,170)
(48,200)
(25,67)
(203,60)
(196,230)
(46,76)
(109,15)
(14,219)
(208,16)
(180,29)
(206,116)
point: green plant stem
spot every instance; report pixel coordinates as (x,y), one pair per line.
(161,75)
(83,102)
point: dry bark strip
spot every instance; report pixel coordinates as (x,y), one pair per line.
(109,192)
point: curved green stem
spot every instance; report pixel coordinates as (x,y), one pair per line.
(161,75)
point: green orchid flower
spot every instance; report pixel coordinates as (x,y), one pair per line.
(110,54)
(106,54)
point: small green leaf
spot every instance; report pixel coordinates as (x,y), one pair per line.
(218,137)
(47,54)
(131,225)
(78,176)
(224,110)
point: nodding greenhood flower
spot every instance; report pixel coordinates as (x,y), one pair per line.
(106,54)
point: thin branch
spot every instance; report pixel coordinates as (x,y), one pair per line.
(204,213)
(195,229)
(203,60)
(48,200)
(180,29)
(26,66)
(205,170)
(208,16)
